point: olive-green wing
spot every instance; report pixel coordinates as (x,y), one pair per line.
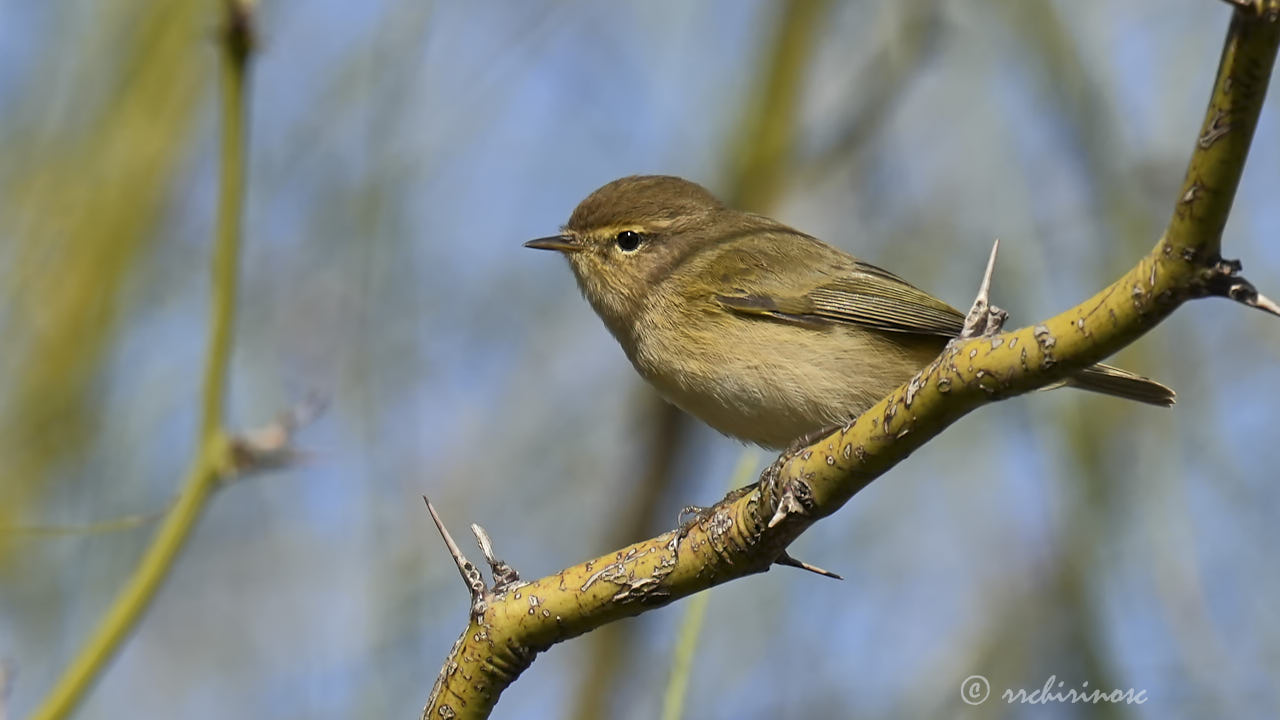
(867,296)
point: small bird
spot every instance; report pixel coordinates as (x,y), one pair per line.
(761,331)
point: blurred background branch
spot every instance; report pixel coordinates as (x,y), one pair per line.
(80,204)
(695,613)
(214,460)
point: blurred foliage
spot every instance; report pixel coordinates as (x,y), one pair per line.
(92,155)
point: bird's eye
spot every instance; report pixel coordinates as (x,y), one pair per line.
(628,240)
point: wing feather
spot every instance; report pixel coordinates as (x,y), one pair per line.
(869,297)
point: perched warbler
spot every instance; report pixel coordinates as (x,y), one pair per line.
(761,331)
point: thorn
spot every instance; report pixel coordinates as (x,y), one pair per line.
(1262,302)
(504,576)
(458,558)
(772,483)
(470,575)
(786,559)
(486,545)
(984,318)
(1224,280)
(778,516)
(984,289)
(787,504)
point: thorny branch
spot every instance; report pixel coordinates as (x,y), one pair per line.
(749,531)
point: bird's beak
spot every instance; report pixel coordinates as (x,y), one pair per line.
(563,243)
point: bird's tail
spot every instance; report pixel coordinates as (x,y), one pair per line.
(1110,380)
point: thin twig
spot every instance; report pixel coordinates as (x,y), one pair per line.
(116,524)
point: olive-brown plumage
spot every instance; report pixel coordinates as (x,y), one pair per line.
(761,331)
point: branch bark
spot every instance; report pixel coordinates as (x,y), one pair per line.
(748,531)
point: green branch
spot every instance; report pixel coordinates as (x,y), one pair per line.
(748,531)
(214,457)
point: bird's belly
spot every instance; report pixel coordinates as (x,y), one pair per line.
(770,383)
